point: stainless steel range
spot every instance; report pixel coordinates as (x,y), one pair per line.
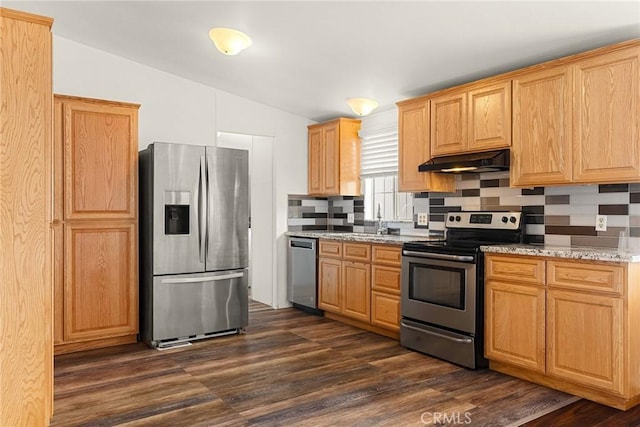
(443,286)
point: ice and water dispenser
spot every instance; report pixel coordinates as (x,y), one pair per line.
(177,212)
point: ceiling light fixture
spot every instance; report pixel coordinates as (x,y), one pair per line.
(362,106)
(229,41)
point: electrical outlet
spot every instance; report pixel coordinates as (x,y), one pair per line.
(601,223)
(423,219)
(351,217)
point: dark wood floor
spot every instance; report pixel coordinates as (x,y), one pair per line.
(291,368)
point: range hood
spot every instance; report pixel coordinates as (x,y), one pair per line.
(488,161)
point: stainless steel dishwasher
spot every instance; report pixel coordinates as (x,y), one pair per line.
(302,267)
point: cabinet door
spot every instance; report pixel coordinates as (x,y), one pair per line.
(57,231)
(490,117)
(385,310)
(585,339)
(449,124)
(356,285)
(607,115)
(331,182)
(515,325)
(316,160)
(541,151)
(100,159)
(329,279)
(101,280)
(414,149)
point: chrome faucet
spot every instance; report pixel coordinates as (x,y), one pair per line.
(381,229)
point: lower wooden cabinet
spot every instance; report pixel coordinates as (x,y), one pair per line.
(585,339)
(360,283)
(330,283)
(356,283)
(514,325)
(567,326)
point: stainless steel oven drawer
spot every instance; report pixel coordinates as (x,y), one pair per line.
(450,346)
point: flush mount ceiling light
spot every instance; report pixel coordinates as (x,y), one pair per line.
(362,106)
(229,41)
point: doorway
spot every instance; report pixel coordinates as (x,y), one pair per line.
(261,229)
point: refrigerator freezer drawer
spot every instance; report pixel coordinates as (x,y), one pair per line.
(194,304)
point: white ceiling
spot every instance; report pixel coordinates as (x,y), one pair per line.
(309,56)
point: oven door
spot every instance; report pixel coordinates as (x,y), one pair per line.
(440,289)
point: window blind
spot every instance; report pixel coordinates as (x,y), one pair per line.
(380,146)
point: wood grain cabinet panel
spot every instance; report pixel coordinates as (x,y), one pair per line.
(607,117)
(334,158)
(385,279)
(414,149)
(100,158)
(586,339)
(356,251)
(386,255)
(330,248)
(329,285)
(95,178)
(490,117)
(542,150)
(26,286)
(449,124)
(101,280)
(385,310)
(516,269)
(587,276)
(515,325)
(356,285)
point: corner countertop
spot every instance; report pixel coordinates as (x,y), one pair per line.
(572,252)
(389,239)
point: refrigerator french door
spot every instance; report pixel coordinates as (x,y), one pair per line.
(194,221)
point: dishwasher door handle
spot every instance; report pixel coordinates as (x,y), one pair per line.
(302,244)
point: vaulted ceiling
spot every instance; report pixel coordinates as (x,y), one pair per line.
(309,56)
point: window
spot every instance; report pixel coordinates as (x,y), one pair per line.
(379,135)
(381,192)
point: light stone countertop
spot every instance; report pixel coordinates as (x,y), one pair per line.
(389,239)
(573,252)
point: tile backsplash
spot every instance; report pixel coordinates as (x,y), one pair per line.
(563,216)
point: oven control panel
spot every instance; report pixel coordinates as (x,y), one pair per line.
(488,220)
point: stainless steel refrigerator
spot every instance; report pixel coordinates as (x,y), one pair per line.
(194,222)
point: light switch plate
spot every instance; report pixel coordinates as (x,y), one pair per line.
(423,219)
(601,223)
(351,217)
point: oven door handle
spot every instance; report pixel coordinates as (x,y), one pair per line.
(435,334)
(463,258)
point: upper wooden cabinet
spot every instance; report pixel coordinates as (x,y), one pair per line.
(334,158)
(578,122)
(607,117)
(470,120)
(413,150)
(100,142)
(542,131)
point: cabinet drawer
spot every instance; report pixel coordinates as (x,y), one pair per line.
(330,248)
(356,252)
(385,279)
(389,255)
(588,276)
(515,269)
(385,310)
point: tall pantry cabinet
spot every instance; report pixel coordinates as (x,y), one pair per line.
(95,222)
(26,359)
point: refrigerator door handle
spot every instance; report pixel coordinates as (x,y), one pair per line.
(203,279)
(202,206)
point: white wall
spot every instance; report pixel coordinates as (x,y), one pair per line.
(179,110)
